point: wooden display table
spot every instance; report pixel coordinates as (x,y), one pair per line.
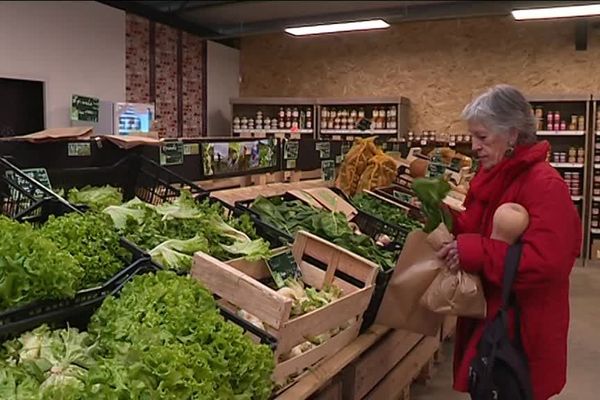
(380,364)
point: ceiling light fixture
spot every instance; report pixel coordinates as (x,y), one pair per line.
(557,12)
(339,27)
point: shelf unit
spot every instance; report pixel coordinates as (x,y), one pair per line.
(247,108)
(296,110)
(571,139)
(594,184)
(370,107)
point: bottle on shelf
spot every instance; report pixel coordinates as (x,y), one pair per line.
(375,117)
(361,113)
(309,121)
(550,121)
(302,120)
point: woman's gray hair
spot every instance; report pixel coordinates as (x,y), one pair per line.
(502,108)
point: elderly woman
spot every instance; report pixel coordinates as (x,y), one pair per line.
(513,168)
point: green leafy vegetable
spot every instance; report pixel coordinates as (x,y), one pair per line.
(57,360)
(385,211)
(177,254)
(431,194)
(92,240)
(97,198)
(163,338)
(292,216)
(33,267)
(185,219)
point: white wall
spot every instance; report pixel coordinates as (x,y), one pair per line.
(223,82)
(76,47)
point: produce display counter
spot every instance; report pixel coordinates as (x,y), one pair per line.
(380,364)
(231,196)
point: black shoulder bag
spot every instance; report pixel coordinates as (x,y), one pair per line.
(500,370)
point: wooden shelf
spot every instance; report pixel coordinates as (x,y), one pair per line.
(560,133)
(567,165)
(359,132)
(274,131)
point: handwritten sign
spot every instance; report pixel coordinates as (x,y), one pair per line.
(84,108)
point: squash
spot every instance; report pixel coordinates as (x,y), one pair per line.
(510,221)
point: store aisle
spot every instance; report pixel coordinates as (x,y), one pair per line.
(584,351)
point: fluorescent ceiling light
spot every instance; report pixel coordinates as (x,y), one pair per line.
(557,12)
(340,27)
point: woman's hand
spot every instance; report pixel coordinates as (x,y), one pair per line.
(449,254)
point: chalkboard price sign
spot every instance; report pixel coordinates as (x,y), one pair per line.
(84,108)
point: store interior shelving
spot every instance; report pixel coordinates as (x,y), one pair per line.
(386,116)
(273,116)
(564,121)
(327,118)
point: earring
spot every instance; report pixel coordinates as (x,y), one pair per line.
(510,151)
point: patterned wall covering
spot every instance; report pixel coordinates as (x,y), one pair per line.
(193,52)
(155,71)
(137,77)
(166,81)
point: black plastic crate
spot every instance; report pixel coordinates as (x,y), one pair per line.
(77,315)
(374,227)
(57,313)
(134,175)
(414,211)
(21,195)
(267,231)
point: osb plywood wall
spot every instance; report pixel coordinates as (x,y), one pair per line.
(165,66)
(438,65)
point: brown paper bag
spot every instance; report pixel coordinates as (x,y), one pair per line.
(453,292)
(401,306)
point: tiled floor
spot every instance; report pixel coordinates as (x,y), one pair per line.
(584,347)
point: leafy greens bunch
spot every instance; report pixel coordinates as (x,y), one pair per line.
(96,198)
(44,364)
(163,338)
(32,267)
(92,240)
(292,216)
(384,211)
(174,231)
(431,192)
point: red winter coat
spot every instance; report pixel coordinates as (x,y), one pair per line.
(551,244)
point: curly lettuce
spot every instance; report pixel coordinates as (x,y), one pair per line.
(33,267)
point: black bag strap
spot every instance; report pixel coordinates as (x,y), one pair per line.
(511,265)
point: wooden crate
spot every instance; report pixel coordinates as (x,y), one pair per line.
(241,287)
(397,382)
(365,373)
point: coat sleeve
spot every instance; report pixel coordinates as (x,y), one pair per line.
(551,242)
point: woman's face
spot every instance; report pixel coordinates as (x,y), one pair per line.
(489,147)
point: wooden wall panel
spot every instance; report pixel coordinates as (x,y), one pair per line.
(438,65)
